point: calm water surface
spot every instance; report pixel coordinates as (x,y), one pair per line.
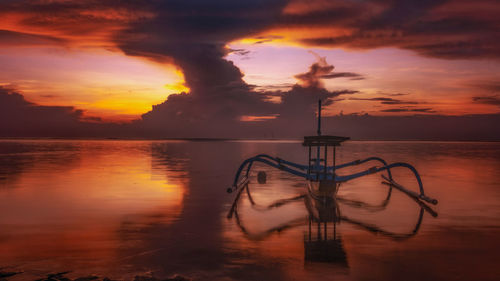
(123,208)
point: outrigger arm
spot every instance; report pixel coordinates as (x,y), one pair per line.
(302,171)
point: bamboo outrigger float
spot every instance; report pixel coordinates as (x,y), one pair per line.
(323,178)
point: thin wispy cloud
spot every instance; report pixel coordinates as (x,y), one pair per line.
(384,100)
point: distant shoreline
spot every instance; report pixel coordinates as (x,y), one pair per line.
(230,139)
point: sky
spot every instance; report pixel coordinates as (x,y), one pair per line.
(222,68)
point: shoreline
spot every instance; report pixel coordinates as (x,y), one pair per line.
(231,139)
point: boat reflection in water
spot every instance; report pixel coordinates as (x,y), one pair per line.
(322,240)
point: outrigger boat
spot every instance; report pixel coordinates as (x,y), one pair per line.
(323,179)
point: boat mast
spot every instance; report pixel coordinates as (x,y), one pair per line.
(319,134)
(319,117)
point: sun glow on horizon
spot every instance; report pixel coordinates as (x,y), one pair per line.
(110,85)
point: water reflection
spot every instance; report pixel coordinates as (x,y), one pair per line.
(434,252)
(121,208)
(18,157)
(75,205)
(322,242)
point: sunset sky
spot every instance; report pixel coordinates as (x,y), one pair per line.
(247,61)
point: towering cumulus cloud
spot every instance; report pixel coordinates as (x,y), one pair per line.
(193,35)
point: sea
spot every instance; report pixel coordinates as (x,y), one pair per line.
(126,208)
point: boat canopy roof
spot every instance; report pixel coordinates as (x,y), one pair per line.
(323,140)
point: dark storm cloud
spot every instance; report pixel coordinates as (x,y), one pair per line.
(78,22)
(448,29)
(193,35)
(213,115)
(443,29)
